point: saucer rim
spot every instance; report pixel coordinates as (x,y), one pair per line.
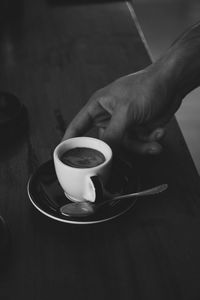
(76,222)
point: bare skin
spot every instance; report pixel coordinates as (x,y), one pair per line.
(133,110)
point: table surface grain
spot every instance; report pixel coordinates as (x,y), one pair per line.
(53,56)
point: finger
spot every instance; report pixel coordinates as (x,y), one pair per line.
(79,125)
(101,132)
(164,119)
(139,147)
(115,130)
(152,136)
(102,124)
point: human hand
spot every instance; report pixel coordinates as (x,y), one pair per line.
(129,112)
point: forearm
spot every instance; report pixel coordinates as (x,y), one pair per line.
(180,65)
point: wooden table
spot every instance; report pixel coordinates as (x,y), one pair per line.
(53,56)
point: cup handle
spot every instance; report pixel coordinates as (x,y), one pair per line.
(98,187)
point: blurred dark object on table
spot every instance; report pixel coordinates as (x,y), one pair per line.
(13,119)
(4,243)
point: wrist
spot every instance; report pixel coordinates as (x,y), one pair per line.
(179,67)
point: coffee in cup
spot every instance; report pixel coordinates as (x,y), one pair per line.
(82,157)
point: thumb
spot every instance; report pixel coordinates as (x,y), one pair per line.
(115,131)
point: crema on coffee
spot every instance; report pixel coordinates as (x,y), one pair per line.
(82,157)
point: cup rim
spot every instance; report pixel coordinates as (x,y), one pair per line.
(107,160)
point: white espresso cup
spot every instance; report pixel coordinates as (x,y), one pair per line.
(76,182)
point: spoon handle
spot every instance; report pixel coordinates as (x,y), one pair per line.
(155,190)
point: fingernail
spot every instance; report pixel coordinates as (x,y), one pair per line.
(159,134)
(153,150)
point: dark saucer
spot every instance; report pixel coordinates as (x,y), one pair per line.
(47,196)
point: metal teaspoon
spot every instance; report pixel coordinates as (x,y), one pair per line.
(86,208)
